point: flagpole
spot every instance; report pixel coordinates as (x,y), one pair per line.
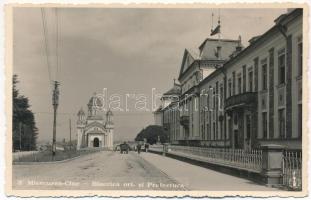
(212,22)
(219,24)
(219,32)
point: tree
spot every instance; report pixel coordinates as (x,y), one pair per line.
(24,127)
(151,134)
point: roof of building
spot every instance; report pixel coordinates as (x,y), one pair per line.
(95,117)
(216,40)
(95,124)
(208,50)
(158,109)
(257,40)
(195,53)
(260,39)
(175,90)
(253,39)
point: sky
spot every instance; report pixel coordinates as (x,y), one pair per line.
(126,50)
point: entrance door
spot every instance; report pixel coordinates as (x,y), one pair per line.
(96,142)
(248,131)
(236,139)
(238,130)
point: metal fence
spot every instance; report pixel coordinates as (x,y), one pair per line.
(249,160)
(156,148)
(292,170)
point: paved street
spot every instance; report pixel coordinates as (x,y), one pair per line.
(103,170)
(112,170)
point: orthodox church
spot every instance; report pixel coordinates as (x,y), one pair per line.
(93,130)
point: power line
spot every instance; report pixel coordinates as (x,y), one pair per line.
(46,44)
(57,44)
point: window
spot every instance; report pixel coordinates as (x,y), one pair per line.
(221,97)
(214,131)
(264,75)
(250,81)
(207,101)
(299,55)
(214,99)
(217,95)
(281,66)
(229,88)
(264,125)
(248,127)
(282,123)
(233,83)
(208,132)
(202,131)
(221,130)
(239,84)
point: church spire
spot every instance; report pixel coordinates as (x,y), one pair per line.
(109,119)
(81,116)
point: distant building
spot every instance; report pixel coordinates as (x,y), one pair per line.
(243,97)
(165,115)
(92,130)
(158,116)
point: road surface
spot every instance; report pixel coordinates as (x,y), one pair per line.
(102,170)
(115,171)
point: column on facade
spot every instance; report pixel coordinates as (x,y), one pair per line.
(255,121)
(271,92)
(289,86)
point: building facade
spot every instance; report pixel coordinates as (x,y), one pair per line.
(244,97)
(167,115)
(92,130)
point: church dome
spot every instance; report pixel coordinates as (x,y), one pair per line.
(95,101)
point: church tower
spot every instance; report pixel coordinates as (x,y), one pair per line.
(80,128)
(109,126)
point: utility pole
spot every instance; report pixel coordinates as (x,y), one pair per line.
(55,105)
(70,134)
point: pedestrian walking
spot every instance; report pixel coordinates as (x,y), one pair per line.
(138,148)
(146,147)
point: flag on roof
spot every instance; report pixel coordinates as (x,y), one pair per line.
(216,30)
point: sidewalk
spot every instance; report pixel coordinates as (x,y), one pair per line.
(199,178)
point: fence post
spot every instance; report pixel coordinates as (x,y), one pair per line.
(164,149)
(271,171)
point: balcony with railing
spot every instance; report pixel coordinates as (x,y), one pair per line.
(244,99)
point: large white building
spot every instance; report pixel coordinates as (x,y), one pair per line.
(240,97)
(93,131)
